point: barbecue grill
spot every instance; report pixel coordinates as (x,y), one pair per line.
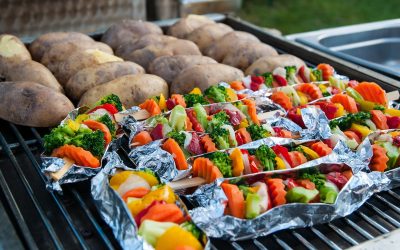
(34,218)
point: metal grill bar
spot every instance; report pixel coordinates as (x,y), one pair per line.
(373,223)
(305,242)
(259,245)
(282,243)
(384,215)
(343,234)
(359,229)
(325,239)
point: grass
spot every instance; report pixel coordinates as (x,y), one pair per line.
(294,16)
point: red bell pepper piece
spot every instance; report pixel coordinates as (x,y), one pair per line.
(291,183)
(284,152)
(280,80)
(195,123)
(142,213)
(109,107)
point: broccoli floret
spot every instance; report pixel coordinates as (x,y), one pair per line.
(191,228)
(93,142)
(268,79)
(191,99)
(111,99)
(379,107)
(318,74)
(179,137)
(317,178)
(291,74)
(257,132)
(216,93)
(222,162)
(326,93)
(246,190)
(221,137)
(345,122)
(57,137)
(106,120)
(300,149)
(218,120)
(267,157)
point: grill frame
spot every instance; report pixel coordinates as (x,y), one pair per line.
(72,221)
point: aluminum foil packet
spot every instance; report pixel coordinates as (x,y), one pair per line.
(210,200)
(51,166)
(113,209)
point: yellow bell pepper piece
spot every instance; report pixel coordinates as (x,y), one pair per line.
(237,162)
(162,103)
(73,125)
(308,151)
(175,237)
(80,118)
(196,91)
(244,123)
(303,98)
(279,163)
(298,111)
(164,193)
(151,179)
(394,133)
(119,178)
(392,112)
(231,95)
(312,77)
(322,87)
(363,130)
(340,110)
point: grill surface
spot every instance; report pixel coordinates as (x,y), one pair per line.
(33,218)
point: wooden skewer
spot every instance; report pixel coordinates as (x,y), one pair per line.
(187,183)
(60,173)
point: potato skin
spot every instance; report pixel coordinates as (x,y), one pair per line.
(12,50)
(126,30)
(168,67)
(41,44)
(32,71)
(131,89)
(228,43)
(208,34)
(90,77)
(269,63)
(203,76)
(186,25)
(247,53)
(32,104)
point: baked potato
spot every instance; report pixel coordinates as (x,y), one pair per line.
(90,77)
(32,71)
(32,104)
(11,50)
(168,67)
(203,76)
(127,30)
(131,89)
(247,53)
(228,43)
(269,63)
(186,25)
(79,60)
(142,42)
(208,34)
(43,43)
(146,55)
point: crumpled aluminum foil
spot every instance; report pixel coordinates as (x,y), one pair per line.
(316,122)
(210,200)
(75,173)
(113,209)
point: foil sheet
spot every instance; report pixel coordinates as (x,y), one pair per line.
(210,199)
(113,209)
(316,122)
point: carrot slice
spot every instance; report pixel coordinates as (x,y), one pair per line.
(372,92)
(164,213)
(172,147)
(78,155)
(327,70)
(306,183)
(188,124)
(142,138)
(379,119)
(151,106)
(203,167)
(178,100)
(379,159)
(138,192)
(348,102)
(348,174)
(235,199)
(277,191)
(95,125)
(251,108)
(208,144)
(351,135)
(297,158)
(321,148)
(282,99)
(236,85)
(312,90)
(245,135)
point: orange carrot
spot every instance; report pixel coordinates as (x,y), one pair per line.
(282,99)
(188,124)
(235,200)
(348,174)
(251,109)
(185,248)
(164,213)
(277,191)
(379,119)
(306,183)
(312,90)
(351,135)
(151,106)
(372,92)
(327,70)
(321,148)
(142,138)
(203,167)
(95,125)
(285,133)
(78,155)
(172,147)
(208,144)
(379,159)
(297,158)
(244,134)
(179,100)
(236,85)
(347,102)
(138,192)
